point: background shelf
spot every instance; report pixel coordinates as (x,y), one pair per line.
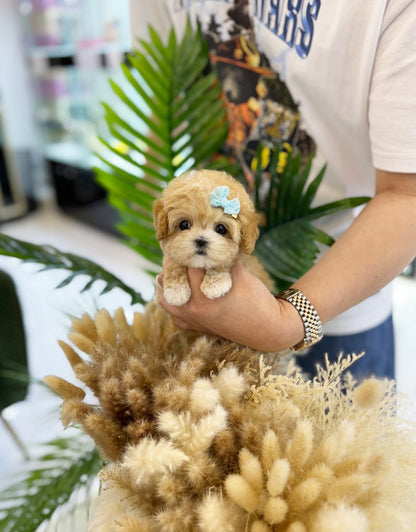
(72,47)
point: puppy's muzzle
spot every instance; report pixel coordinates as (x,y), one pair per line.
(201,246)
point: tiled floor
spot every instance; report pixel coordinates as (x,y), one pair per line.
(46,313)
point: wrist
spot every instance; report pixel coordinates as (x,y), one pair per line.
(271,326)
(290,326)
(306,315)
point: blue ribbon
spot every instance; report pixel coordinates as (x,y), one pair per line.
(218,198)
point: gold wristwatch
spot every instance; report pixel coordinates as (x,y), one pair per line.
(310,318)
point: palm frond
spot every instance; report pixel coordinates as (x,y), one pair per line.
(68,465)
(51,258)
(170,116)
(288,243)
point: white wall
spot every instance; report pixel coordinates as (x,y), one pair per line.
(15,87)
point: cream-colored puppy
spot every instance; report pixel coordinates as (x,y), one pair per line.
(205,219)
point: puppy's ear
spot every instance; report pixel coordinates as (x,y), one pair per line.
(249,232)
(160,219)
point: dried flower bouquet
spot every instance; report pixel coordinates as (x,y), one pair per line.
(198,434)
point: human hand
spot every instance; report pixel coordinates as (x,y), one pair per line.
(248,314)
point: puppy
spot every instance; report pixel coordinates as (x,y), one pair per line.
(205,219)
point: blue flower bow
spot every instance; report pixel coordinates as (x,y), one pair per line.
(218,198)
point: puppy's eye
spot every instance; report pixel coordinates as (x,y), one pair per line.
(221,229)
(184,225)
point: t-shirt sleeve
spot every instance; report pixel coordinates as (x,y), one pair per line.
(143,13)
(392,102)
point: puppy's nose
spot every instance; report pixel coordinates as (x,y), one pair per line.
(201,243)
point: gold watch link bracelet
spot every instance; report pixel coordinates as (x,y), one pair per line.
(311,321)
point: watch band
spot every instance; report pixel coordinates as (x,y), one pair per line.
(310,318)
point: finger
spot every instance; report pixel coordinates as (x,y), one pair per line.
(181,324)
(195,278)
(237,268)
(185,326)
(166,259)
(158,287)
(170,309)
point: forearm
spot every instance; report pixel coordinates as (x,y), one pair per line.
(370,254)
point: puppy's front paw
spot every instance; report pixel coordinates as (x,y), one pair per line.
(216,284)
(177,295)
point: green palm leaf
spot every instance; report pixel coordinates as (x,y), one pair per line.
(170,117)
(288,243)
(69,465)
(51,258)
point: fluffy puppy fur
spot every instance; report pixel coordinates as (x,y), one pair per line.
(194,233)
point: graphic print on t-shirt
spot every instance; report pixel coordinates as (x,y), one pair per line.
(291,20)
(260,105)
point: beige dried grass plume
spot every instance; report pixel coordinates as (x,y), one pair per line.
(201,436)
(334,456)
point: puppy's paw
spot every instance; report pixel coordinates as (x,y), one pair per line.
(216,285)
(177,295)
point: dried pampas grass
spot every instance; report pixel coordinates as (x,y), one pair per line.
(335,455)
(200,434)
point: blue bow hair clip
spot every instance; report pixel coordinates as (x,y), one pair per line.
(218,198)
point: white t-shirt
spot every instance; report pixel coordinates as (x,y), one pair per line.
(346,80)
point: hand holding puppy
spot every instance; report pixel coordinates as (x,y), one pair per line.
(207,227)
(248,314)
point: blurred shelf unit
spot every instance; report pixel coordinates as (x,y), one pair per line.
(73,47)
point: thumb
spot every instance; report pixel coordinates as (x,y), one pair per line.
(195,278)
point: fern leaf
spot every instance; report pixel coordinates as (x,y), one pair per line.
(170,116)
(51,258)
(288,242)
(69,465)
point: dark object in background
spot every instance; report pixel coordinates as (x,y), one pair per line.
(13,355)
(14,375)
(74,185)
(80,196)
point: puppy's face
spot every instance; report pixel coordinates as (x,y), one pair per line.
(194,233)
(201,239)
